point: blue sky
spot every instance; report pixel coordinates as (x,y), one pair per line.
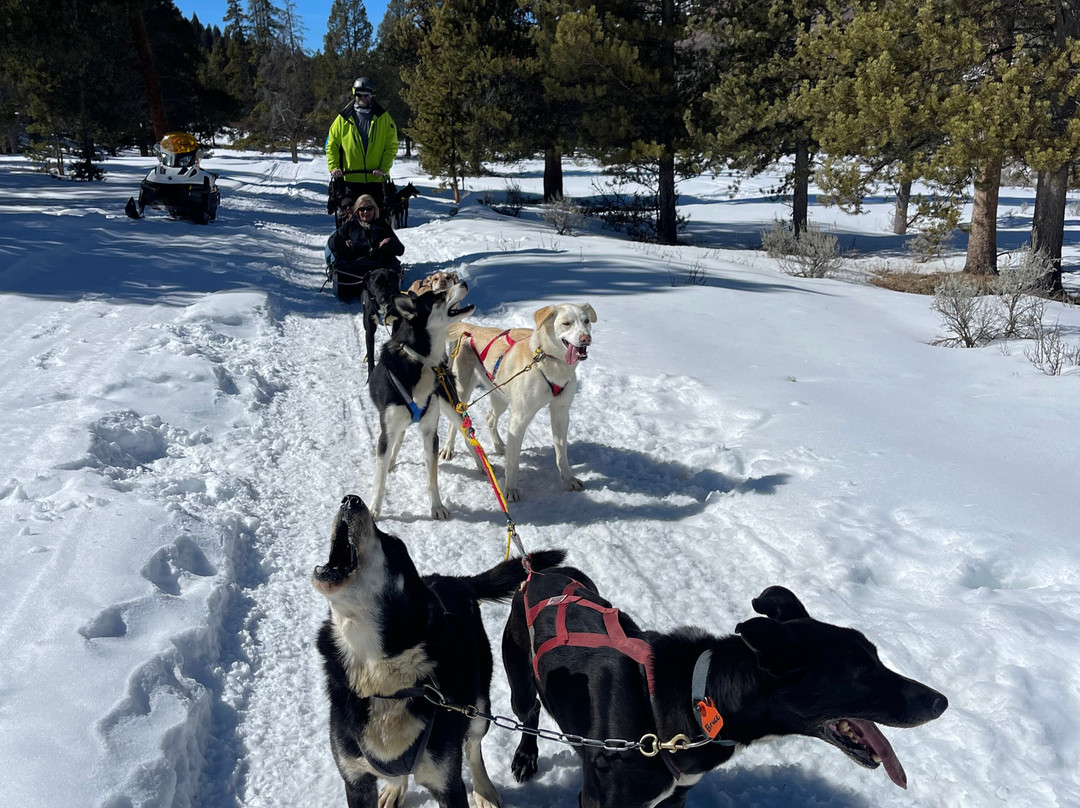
(314,13)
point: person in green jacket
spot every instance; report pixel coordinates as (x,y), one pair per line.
(361,146)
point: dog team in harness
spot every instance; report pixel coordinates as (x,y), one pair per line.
(407,660)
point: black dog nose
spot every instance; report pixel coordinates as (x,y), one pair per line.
(351,501)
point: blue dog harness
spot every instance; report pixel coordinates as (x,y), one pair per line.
(414,408)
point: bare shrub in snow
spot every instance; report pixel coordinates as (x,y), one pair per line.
(970,315)
(563,215)
(1016,288)
(1049,352)
(778,241)
(695,275)
(513,200)
(813,254)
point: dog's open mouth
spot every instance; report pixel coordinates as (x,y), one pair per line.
(865,744)
(454,295)
(341,564)
(575,353)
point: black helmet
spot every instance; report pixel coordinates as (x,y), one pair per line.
(363,85)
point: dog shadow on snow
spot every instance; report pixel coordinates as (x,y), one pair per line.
(617,470)
(762,786)
(771,787)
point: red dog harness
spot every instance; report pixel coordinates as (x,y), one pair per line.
(482,355)
(638,650)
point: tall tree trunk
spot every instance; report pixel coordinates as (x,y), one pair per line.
(801,192)
(900,214)
(553,179)
(982,242)
(666,230)
(1048,223)
(146,66)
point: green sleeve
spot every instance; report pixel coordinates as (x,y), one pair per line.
(333,144)
(390,147)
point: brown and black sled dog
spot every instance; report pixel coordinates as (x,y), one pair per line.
(781,674)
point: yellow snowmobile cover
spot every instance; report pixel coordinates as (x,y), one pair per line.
(179,143)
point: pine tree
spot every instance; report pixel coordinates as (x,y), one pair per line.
(634,71)
(755,120)
(345,57)
(281,116)
(348,31)
(1054,155)
(873,105)
(458,90)
(263,25)
(399,36)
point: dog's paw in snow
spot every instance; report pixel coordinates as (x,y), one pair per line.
(524,766)
(393,794)
(482,802)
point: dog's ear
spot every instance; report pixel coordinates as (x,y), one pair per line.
(546,313)
(779,604)
(590,311)
(405,304)
(773,645)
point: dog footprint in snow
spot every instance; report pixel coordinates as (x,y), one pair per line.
(226,383)
(164,568)
(109,623)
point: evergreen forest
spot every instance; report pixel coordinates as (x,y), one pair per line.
(858,96)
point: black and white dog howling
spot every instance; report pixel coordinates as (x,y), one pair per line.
(390,634)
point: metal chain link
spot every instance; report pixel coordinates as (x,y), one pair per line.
(649,745)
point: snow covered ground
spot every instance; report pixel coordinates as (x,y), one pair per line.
(183,407)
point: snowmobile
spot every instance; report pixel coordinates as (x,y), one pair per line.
(177,184)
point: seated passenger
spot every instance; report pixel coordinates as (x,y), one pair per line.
(364,241)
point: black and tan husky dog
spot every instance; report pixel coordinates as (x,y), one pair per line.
(390,630)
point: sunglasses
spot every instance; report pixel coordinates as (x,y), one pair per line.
(363,94)
(366,209)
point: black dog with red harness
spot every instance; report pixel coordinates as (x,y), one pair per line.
(687,697)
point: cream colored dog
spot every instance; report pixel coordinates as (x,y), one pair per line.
(435,282)
(495,357)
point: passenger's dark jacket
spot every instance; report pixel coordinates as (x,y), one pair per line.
(353,242)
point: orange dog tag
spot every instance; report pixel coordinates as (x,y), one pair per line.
(711,720)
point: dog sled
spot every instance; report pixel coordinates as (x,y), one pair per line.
(352,279)
(393,208)
(177,184)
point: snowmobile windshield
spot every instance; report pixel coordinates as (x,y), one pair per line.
(170,160)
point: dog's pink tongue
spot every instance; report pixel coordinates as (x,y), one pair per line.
(871,735)
(571,355)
